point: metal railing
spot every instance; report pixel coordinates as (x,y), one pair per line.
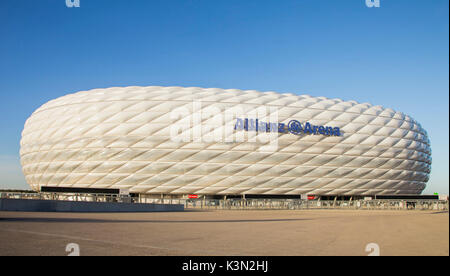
(65,196)
(245,204)
(298,204)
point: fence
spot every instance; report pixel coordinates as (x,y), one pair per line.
(297,204)
(67,197)
(247,204)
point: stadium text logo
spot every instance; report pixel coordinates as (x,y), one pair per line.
(294,127)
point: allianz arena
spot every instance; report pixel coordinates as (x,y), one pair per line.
(180,141)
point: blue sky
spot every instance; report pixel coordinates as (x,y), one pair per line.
(395,56)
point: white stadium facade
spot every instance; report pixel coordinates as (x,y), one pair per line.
(175,141)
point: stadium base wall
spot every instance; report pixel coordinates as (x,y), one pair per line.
(31,205)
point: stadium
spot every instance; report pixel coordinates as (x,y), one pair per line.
(177,142)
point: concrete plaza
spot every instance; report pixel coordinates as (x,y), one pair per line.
(272,232)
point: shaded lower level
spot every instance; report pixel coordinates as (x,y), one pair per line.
(36,205)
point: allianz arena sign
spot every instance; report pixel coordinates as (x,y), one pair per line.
(210,141)
(214,123)
(294,127)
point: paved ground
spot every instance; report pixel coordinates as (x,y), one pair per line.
(309,232)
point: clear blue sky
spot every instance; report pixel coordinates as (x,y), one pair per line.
(395,56)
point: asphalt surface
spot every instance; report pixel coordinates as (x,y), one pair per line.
(231,233)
